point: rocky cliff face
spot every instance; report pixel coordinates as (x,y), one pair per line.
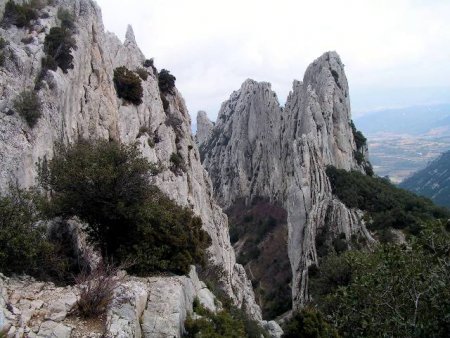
(83,104)
(204,127)
(259,149)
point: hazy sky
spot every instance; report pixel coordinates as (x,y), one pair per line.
(396,52)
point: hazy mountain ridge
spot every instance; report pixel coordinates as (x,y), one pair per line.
(433,181)
(403,141)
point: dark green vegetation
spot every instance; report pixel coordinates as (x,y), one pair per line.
(386,206)
(28,105)
(57,46)
(128,85)
(19,15)
(394,291)
(230,322)
(143,74)
(433,181)
(106,185)
(166,82)
(177,163)
(259,234)
(361,144)
(309,323)
(3,52)
(25,246)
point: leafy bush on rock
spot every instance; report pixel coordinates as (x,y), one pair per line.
(128,85)
(106,184)
(29,106)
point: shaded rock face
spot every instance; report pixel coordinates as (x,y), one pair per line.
(204,127)
(259,235)
(83,104)
(258,148)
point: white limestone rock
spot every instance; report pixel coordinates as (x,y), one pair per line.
(204,127)
(259,149)
(83,104)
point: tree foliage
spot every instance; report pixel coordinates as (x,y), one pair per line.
(387,206)
(166,81)
(106,184)
(309,323)
(58,47)
(24,245)
(18,15)
(128,85)
(29,106)
(395,291)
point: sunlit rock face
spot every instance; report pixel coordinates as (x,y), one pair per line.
(260,149)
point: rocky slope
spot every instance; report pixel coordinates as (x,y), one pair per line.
(260,149)
(433,181)
(83,104)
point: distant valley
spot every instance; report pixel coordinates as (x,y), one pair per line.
(403,141)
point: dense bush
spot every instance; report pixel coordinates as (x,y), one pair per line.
(394,291)
(308,323)
(387,206)
(58,45)
(24,246)
(128,85)
(106,185)
(359,138)
(143,74)
(67,19)
(18,15)
(29,106)
(177,163)
(227,323)
(166,81)
(3,44)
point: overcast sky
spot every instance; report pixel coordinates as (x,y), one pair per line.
(396,52)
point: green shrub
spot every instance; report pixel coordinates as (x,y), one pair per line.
(148,63)
(395,291)
(143,74)
(309,323)
(386,205)
(227,323)
(67,19)
(166,81)
(18,15)
(359,138)
(128,85)
(3,44)
(177,163)
(24,246)
(29,106)
(58,45)
(106,185)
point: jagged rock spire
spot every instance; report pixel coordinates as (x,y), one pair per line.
(258,149)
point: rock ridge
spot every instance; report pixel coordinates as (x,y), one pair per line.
(83,104)
(259,149)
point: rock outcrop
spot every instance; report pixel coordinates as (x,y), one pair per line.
(153,307)
(259,149)
(204,127)
(83,103)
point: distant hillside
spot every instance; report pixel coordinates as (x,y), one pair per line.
(432,181)
(403,141)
